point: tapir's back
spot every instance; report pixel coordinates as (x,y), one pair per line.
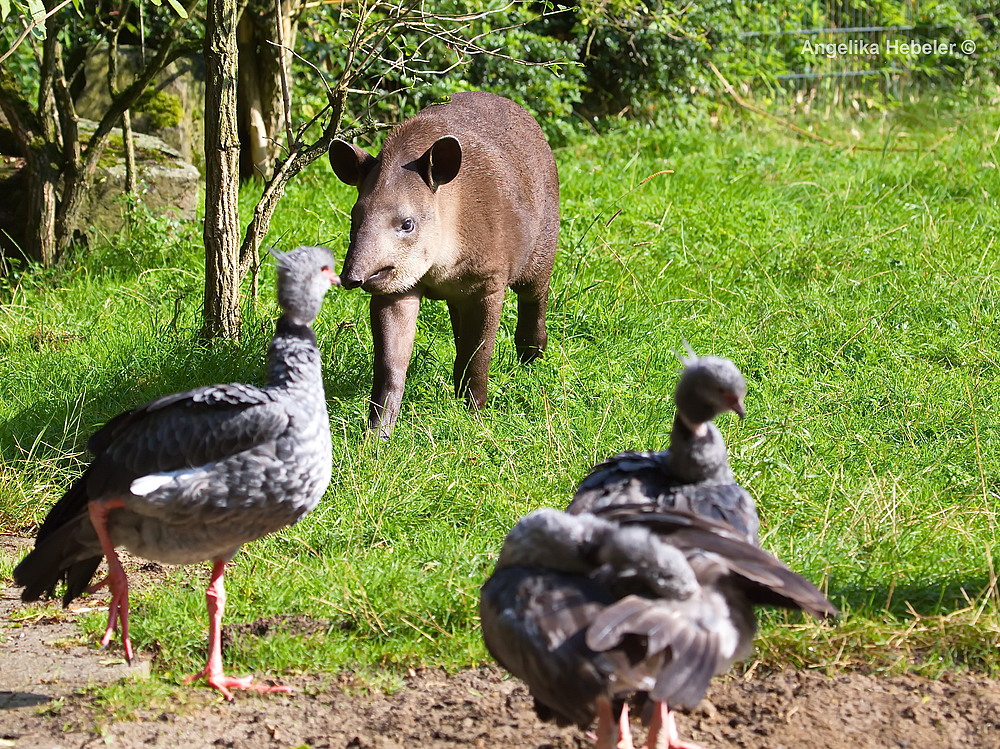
(492,130)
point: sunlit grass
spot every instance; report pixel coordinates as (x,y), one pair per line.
(858,291)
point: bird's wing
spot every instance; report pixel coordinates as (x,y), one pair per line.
(726,502)
(181,431)
(65,547)
(763,578)
(626,478)
(632,478)
(534,623)
(68,509)
(680,639)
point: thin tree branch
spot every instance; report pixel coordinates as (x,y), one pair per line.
(373,41)
(286,97)
(31,27)
(128,96)
(128,138)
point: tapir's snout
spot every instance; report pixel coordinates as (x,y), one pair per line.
(357,274)
(353,274)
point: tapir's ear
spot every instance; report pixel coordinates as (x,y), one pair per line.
(440,163)
(349,162)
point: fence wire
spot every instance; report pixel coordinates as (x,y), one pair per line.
(847,52)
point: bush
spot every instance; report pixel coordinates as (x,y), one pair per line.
(521,60)
(639,58)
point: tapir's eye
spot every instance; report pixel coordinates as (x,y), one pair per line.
(407,225)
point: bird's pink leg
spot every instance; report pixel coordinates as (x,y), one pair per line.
(663,731)
(116,579)
(609,735)
(212,673)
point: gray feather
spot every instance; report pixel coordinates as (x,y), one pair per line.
(554,540)
(686,677)
(641,601)
(533,623)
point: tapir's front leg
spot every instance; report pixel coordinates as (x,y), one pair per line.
(475,321)
(394,326)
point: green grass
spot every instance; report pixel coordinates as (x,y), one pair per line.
(857,290)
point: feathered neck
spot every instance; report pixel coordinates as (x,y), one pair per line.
(697,457)
(293,359)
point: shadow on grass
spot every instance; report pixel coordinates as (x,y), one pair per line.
(905,600)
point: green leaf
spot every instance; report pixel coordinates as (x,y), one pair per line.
(37,10)
(4,9)
(178,8)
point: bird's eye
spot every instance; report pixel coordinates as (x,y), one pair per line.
(407,225)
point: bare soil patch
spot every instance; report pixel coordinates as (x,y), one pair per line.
(44,665)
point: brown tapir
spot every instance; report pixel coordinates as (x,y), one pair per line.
(462,202)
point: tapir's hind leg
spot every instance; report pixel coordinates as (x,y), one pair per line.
(475,321)
(530,337)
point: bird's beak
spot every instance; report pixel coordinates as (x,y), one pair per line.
(334,278)
(736,405)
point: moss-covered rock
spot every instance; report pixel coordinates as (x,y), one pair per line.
(172,108)
(162,108)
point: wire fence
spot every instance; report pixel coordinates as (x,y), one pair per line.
(845,52)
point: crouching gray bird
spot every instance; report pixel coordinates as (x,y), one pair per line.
(591,609)
(191,477)
(694,473)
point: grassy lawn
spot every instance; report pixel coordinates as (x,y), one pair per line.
(858,290)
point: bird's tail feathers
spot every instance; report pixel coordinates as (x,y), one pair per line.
(63,554)
(67,509)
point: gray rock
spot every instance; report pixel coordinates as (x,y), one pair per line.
(165,183)
(173,109)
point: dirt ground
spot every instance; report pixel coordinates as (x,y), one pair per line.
(43,667)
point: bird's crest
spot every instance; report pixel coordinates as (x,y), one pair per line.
(691,358)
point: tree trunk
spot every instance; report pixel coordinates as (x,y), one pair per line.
(37,241)
(222,153)
(261,107)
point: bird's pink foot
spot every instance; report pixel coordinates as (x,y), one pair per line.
(117,611)
(212,673)
(663,731)
(611,734)
(225,684)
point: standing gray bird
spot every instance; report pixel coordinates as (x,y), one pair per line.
(694,474)
(190,477)
(591,609)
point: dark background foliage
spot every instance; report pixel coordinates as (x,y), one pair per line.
(649,59)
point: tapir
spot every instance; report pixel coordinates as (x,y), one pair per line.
(461,202)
